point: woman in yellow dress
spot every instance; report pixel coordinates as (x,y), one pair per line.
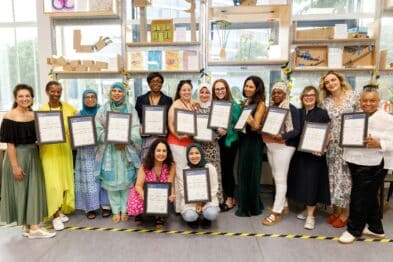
(57,162)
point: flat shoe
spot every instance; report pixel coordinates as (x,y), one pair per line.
(116,218)
(224,207)
(106,213)
(91,215)
(124,217)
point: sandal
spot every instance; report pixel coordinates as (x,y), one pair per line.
(91,214)
(106,213)
(116,218)
(124,217)
(138,220)
(272,219)
(160,221)
(224,207)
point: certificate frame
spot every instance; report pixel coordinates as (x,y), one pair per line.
(271,110)
(348,116)
(163,186)
(74,119)
(212,112)
(164,119)
(323,126)
(179,111)
(203,139)
(199,171)
(243,125)
(59,115)
(109,115)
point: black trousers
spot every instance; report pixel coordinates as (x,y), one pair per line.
(227,155)
(364,206)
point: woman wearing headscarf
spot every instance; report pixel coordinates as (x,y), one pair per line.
(211,149)
(116,164)
(88,192)
(280,149)
(209,210)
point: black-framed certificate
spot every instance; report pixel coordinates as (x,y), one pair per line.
(203,132)
(49,127)
(353,129)
(196,185)
(274,120)
(118,128)
(313,138)
(242,121)
(185,122)
(156,198)
(154,120)
(220,114)
(82,131)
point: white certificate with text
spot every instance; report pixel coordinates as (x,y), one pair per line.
(204,133)
(118,128)
(196,185)
(353,129)
(185,122)
(82,130)
(313,138)
(156,198)
(220,114)
(49,127)
(274,120)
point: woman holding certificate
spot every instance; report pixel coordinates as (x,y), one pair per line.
(211,148)
(117,161)
(158,166)
(201,182)
(280,148)
(23,196)
(251,150)
(88,192)
(58,163)
(308,178)
(337,98)
(228,144)
(179,142)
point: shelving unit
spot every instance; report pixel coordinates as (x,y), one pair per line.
(81,10)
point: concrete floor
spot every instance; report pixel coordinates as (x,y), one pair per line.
(80,245)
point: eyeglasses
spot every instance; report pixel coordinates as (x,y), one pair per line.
(90,97)
(220,89)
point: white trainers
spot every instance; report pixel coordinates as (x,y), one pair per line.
(367,232)
(57,224)
(302,215)
(25,231)
(41,233)
(346,238)
(310,223)
(63,217)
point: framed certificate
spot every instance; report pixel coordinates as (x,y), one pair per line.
(220,114)
(185,122)
(274,120)
(49,127)
(82,131)
(313,138)
(154,120)
(203,132)
(156,198)
(196,185)
(353,129)
(118,127)
(242,121)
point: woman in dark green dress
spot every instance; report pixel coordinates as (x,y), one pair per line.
(23,194)
(251,150)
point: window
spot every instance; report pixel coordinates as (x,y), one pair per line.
(18,49)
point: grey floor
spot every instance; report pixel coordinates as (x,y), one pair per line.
(78,245)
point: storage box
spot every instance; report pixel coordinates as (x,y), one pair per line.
(311,56)
(322,33)
(359,56)
(161,30)
(383,59)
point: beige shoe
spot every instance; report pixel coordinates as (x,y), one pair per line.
(347,238)
(124,217)
(41,233)
(116,218)
(272,219)
(310,223)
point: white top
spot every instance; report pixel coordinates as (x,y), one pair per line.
(213,190)
(380,126)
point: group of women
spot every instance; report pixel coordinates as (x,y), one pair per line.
(39,183)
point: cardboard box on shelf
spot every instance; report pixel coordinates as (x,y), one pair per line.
(75,63)
(322,33)
(359,56)
(311,56)
(383,59)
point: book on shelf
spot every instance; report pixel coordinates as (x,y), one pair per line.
(172,60)
(136,60)
(190,60)
(154,60)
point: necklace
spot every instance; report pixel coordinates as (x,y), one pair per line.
(187,106)
(60,105)
(157,174)
(152,102)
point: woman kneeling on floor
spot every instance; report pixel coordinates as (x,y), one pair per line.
(191,211)
(158,166)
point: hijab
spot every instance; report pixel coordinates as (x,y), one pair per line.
(284,104)
(208,87)
(88,111)
(201,163)
(120,106)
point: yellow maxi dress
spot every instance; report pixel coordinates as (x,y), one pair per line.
(58,167)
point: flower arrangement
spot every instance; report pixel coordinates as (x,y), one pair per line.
(286,75)
(222,28)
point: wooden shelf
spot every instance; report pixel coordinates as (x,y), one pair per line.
(332,41)
(83,14)
(86,72)
(164,71)
(318,69)
(247,13)
(154,44)
(247,63)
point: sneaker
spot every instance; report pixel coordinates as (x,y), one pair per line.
(368,232)
(302,215)
(41,233)
(346,238)
(25,231)
(310,223)
(63,217)
(58,224)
